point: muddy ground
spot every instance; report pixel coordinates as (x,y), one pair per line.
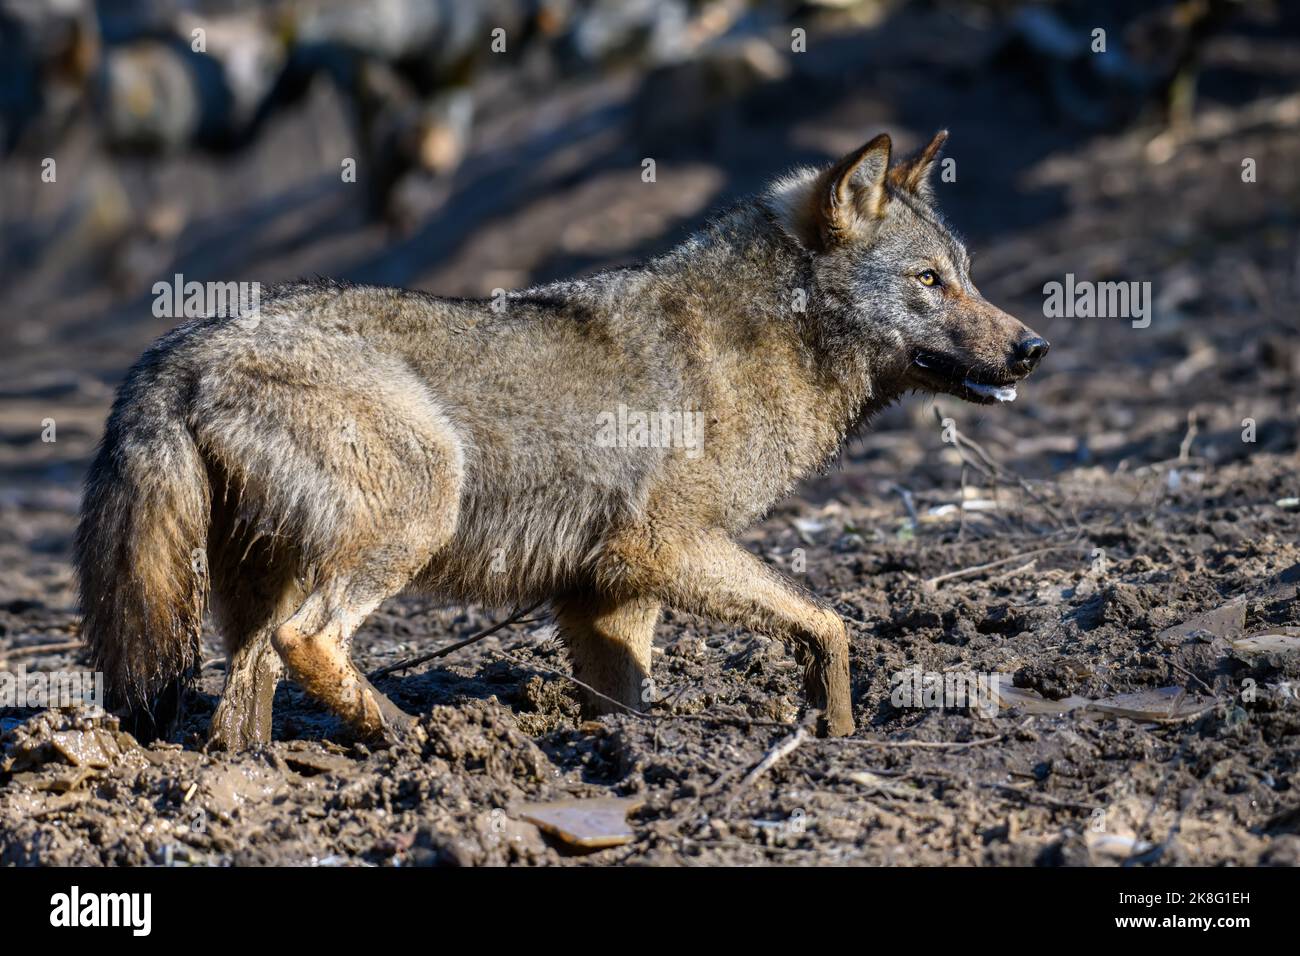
(1135,534)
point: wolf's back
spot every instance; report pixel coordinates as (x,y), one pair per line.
(141,544)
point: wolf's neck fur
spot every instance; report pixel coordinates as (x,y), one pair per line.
(748,285)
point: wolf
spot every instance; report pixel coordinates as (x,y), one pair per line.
(295,467)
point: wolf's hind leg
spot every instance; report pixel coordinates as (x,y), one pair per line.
(357,475)
(609,644)
(315,644)
(374,557)
(243,715)
(253,590)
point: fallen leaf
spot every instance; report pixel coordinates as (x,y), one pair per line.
(1031,702)
(1278,640)
(1160,704)
(591,824)
(309,764)
(1225,621)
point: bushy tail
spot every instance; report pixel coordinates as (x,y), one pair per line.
(141,551)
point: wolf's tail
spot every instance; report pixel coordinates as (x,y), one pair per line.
(141,549)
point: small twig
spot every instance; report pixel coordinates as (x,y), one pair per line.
(1014,572)
(991,468)
(443,652)
(917,744)
(1012,477)
(1166,463)
(1156,852)
(1185,448)
(961,504)
(774,756)
(587,687)
(979,568)
(31,650)
(1186,673)
(909,503)
(1032,796)
(641,715)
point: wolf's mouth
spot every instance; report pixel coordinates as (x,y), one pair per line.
(965,382)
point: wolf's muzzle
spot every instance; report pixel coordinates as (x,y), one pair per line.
(1029,352)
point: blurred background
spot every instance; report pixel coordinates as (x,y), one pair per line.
(461,146)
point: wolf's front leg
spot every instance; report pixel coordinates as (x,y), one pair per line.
(609,644)
(716,578)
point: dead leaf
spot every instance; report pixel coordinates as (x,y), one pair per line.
(591,824)
(310,764)
(1276,640)
(1226,621)
(1161,704)
(1031,702)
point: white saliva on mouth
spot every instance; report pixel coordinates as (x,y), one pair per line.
(1003,393)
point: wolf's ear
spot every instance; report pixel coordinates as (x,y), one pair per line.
(913,175)
(850,195)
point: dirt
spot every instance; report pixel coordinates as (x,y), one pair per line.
(1124,456)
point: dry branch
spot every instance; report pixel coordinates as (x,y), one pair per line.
(443,652)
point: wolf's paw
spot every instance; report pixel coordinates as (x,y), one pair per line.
(837,722)
(238,726)
(396,724)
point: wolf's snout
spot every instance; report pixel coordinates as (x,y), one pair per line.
(1029,352)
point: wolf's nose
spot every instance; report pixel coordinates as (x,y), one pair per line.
(1029,353)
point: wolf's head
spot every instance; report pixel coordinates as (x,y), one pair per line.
(894,282)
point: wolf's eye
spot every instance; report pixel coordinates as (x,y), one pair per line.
(928,277)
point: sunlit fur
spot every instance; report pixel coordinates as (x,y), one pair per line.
(304,463)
